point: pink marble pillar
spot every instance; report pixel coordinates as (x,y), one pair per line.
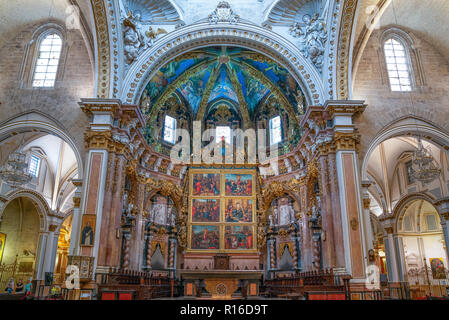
(105,222)
(113,244)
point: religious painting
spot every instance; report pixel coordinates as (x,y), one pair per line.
(206,184)
(2,245)
(238,184)
(205,210)
(239,210)
(437,267)
(88,230)
(205,237)
(239,237)
(223,87)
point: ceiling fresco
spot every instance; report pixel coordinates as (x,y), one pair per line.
(215,73)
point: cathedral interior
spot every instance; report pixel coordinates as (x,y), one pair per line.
(257,149)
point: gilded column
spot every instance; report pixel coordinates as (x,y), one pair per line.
(126,240)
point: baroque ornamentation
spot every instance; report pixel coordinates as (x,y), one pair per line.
(312,34)
(134,38)
(104,63)
(343,51)
(223,13)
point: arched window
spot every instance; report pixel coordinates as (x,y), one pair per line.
(170,129)
(398,66)
(47,61)
(275,130)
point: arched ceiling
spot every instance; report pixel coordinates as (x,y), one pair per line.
(23,12)
(152,11)
(287,12)
(393,149)
(428,19)
(204,76)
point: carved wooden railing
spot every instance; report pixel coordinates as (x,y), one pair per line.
(142,285)
(304,284)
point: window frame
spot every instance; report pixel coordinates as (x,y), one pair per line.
(270,128)
(38,167)
(31,55)
(412,55)
(174,129)
(38,51)
(407,63)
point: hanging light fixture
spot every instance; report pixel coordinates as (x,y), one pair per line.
(424,167)
(15,171)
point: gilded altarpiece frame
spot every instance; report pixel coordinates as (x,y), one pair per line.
(240,200)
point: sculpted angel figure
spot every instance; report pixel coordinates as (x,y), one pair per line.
(312,36)
(133,39)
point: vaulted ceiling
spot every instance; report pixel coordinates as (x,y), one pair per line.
(428,19)
(241,76)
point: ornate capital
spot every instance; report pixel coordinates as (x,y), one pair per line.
(76,202)
(346,141)
(366,203)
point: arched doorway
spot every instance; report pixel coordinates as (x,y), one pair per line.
(19,235)
(425,258)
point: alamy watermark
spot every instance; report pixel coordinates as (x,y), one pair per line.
(244,148)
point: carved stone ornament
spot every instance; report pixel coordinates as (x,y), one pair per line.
(354,224)
(312,34)
(223,13)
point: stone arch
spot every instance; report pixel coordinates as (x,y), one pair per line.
(38,200)
(406,126)
(35,120)
(202,35)
(401,206)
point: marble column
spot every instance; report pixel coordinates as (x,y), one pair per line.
(390,255)
(328,244)
(76,221)
(345,142)
(442,206)
(137,239)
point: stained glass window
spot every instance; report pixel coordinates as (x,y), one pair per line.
(170,129)
(47,62)
(275,130)
(397,66)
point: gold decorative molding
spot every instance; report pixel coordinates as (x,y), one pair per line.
(103,47)
(389,230)
(366,203)
(344,47)
(354,224)
(76,202)
(346,141)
